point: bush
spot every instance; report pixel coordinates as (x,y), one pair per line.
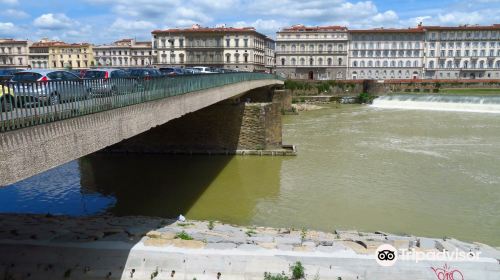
(365,98)
(298,271)
(183,235)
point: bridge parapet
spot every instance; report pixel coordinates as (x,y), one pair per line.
(34,103)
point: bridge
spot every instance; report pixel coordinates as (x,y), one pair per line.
(46,124)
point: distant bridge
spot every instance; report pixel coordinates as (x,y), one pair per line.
(38,132)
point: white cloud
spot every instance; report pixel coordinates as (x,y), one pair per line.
(54,22)
(7,29)
(133,26)
(15,14)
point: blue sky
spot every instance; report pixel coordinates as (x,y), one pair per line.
(104,21)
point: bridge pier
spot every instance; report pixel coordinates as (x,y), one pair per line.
(250,124)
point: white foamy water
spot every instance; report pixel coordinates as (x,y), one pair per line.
(477,104)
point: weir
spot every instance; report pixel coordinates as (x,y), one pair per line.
(436,102)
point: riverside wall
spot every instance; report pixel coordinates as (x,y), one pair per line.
(308,88)
(107,247)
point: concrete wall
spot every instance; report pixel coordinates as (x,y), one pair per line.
(29,151)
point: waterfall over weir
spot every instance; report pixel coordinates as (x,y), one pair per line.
(459,103)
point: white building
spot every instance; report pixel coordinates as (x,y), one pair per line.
(123,53)
(312,52)
(386,53)
(466,52)
(14,53)
(223,47)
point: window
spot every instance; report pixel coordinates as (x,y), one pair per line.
(340,61)
(282,61)
(245,43)
(228,44)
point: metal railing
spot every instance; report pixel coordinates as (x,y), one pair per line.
(25,104)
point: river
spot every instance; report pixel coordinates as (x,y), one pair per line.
(426,173)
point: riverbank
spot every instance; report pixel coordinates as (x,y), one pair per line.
(108,247)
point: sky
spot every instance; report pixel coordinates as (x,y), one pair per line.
(105,21)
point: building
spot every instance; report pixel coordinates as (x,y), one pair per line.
(14,53)
(312,52)
(38,56)
(223,47)
(70,56)
(467,52)
(386,53)
(270,55)
(123,53)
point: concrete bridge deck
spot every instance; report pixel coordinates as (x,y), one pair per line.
(28,151)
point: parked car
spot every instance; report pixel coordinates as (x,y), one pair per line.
(7,98)
(80,73)
(203,70)
(47,87)
(192,71)
(104,81)
(171,71)
(145,73)
(7,74)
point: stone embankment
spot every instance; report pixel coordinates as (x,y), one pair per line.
(106,247)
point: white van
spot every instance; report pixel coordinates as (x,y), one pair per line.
(203,70)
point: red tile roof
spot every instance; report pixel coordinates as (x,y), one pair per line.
(206,29)
(303,28)
(389,30)
(464,27)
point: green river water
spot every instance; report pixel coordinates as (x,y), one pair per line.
(426,173)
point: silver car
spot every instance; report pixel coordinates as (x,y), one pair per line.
(43,86)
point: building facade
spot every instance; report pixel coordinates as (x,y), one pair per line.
(386,53)
(466,52)
(14,53)
(70,56)
(38,56)
(123,53)
(312,52)
(241,49)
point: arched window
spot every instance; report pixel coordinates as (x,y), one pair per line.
(311,48)
(340,61)
(320,48)
(415,63)
(377,63)
(400,63)
(449,64)
(282,61)
(386,63)
(408,63)
(362,64)
(393,63)
(320,61)
(370,63)
(481,64)
(302,61)
(302,48)
(294,48)
(466,64)
(294,61)
(330,61)
(311,61)
(354,64)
